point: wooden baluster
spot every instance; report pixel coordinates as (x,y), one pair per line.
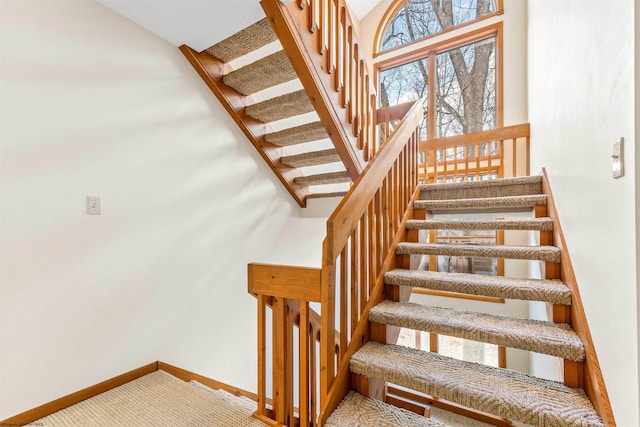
(433,343)
(394,186)
(501,157)
(364,265)
(527,157)
(322,27)
(372,242)
(355,277)
(313,383)
(289,325)
(303,364)
(515,158)
(344,59)
(262,356)
(466,163)
(344,315)
(477,162)
(331,36)
(385,216)
(280,360)
(349,75)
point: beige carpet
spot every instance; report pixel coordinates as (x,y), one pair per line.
(157,399)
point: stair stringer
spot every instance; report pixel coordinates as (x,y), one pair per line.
(594,384)
(211,70)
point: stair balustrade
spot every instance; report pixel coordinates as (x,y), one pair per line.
(320,40)
(362,234)
(496,153)
(286,292)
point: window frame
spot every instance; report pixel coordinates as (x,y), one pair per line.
(393,10)
(430,52)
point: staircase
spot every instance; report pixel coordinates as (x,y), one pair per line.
(502,392)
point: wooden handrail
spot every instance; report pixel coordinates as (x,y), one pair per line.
(353,205)
(319,39)
(393,113)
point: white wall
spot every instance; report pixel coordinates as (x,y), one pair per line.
(637,160)
(92,104)
(581,99)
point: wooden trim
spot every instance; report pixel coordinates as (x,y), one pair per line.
(187,376)
(421,291)
(594,384)
(77,397)
(479,34)
(298,283)
(393,10)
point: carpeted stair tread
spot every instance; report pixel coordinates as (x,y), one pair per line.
(506,393)
(324,178)
(311,158)
(356,410)
(297,135)
(489,203)
(538,224)
(244,41)
(262,74)
(552,291)
(326,195)
(554,339)
(281,107)
(536,253)
(520,186)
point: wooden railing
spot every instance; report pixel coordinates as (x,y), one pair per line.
(288,292)
(360,246)
(496,153)
(321,43)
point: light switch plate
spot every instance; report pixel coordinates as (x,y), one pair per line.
(618,158)
(93,205)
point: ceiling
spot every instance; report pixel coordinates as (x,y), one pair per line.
(201,23)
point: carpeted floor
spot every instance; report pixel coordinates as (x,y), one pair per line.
(157,399)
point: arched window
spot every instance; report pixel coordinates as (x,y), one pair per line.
(417,19)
